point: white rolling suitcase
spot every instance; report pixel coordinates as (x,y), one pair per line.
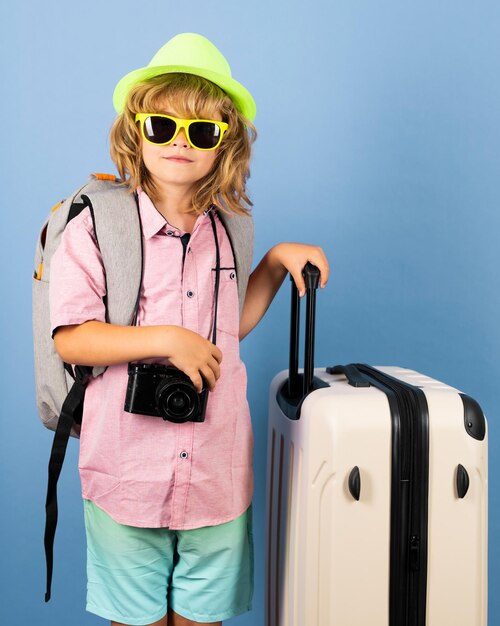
(377,496)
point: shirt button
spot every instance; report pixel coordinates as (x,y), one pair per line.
(190,294)
(231,275)
(184,455)
(170,233)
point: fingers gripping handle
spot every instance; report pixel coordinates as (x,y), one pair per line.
(311,276)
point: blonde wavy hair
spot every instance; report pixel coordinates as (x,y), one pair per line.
(192,97)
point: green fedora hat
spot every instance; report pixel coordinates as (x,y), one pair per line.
(192,54)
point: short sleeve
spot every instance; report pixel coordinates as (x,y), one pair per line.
(77,283)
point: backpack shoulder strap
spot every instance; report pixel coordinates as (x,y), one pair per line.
(117,228)
(240,230)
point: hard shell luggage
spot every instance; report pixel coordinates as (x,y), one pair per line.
(377,495)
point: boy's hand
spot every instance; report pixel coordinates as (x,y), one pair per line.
(293,257)
(192,354)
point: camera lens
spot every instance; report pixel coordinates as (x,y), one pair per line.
(176,400)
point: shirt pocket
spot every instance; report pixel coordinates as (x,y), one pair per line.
(228,310)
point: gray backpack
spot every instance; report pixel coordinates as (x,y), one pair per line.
(60,387)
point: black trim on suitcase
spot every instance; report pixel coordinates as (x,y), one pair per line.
(474,420)
(409,497)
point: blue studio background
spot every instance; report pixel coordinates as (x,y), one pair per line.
(379,133)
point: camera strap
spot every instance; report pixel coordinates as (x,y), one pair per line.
(217,275)
(217,268)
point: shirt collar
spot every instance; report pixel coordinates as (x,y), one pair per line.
(152,220)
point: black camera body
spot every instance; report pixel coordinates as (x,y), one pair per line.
(164,391)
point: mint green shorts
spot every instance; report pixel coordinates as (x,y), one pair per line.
(135,574)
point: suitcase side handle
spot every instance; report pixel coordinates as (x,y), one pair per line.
(354,483)
(463,481)
(311,276)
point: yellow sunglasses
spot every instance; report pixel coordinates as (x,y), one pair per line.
(161,130)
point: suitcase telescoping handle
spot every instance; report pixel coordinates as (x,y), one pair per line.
(311,277)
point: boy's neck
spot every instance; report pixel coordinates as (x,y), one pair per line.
(176,208)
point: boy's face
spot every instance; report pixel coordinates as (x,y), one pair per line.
(166,170)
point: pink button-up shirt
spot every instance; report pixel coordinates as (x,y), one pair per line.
(142,470)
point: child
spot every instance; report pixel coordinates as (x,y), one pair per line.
(168,505)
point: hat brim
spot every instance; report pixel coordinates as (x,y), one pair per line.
(240,96)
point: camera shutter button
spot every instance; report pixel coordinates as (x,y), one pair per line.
(184,455)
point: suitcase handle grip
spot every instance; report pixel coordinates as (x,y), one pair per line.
(354,377)
(311,276)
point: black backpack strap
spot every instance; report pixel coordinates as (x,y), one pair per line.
(71,412)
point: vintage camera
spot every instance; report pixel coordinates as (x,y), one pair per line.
(164,391)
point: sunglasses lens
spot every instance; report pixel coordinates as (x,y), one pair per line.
(159,129)
(204,135)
